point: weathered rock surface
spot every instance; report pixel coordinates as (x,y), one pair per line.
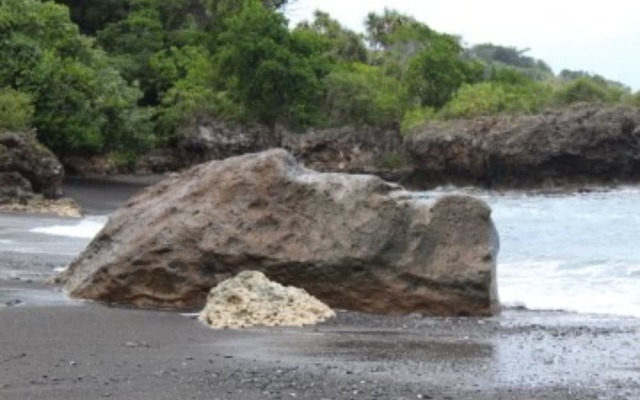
(14,187)
(348,149)
(206,139)
(252,299)
(27,168)
(583,144)
(351,150)
(353,241)
(92,166)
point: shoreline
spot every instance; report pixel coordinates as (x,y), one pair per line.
(82,350)
(21,286)
(79,201)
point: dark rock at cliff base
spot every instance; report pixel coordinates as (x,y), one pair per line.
(345,149)
(583,144)
(353,241)
(206,139)
(14,187)
(27,167)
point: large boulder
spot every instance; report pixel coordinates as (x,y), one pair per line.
(353,241)
(580,145)
(27,167)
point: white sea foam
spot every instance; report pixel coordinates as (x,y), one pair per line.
(594,289)
(86,228)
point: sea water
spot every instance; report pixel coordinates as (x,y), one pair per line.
(569,252)
(576,252)
(32,234)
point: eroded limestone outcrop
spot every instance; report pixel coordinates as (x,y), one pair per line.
(353,241)
(251,299)
(581,145)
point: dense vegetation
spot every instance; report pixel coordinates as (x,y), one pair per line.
(122,76)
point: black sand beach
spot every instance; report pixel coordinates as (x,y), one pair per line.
(54,348)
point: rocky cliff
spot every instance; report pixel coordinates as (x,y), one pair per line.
(580,145)
(585,144)
(346,149)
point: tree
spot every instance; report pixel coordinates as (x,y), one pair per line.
(93,15)
(185,79)
(221,9)
(81,103)
(429,63)
(500,57)
(436,73)
(380,27)
(273,73)
(342,44)
(363,95)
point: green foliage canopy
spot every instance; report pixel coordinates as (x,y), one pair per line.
(364,95)
(81,103)
(342,44)
(489,98)
(437,72)
(152,66)
(16,111)
(274,73)
(581,90)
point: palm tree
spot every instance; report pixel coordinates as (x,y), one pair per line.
(381,27)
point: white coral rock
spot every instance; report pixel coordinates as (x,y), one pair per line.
(252,299)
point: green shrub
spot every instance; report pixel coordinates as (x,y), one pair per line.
(583,90)
(490,98)
(415,118)
(364,95)
(16,110)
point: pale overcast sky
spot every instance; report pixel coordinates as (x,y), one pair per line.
(601,37)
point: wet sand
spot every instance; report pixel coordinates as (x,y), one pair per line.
(55,348)
(100,196)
